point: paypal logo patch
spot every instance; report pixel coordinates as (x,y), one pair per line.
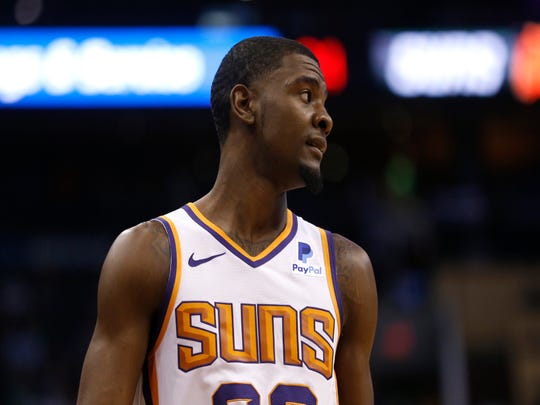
(308,270)
(304,252)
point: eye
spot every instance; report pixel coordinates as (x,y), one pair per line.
(306,95)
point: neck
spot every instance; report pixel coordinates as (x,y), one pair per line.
(248,208)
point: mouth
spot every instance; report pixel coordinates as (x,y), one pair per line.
(318,143)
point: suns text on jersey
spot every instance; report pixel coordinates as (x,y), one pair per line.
(207,332)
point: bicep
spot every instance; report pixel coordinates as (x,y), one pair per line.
(111,367)
(116,351)
(359,295)
(353,363)
(127,298)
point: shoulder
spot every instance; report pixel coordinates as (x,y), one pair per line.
(147,239)
(355,276)
(138,262)
(142,245)
(349,254)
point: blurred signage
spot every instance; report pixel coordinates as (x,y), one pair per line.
(110,67)
(333,60)
(441,63)
(525,64)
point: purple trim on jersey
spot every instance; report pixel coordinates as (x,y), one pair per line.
(233,250)
(172,274)
(333,269)
(157,322)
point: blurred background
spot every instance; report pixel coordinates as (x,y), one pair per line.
(433,167)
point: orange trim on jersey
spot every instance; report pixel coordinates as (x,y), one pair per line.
(235,245)
(330,279)
(152,368)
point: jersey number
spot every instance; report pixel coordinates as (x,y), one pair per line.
(245,394)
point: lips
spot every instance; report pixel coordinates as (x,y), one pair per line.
(317,142)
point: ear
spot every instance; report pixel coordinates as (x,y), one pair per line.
(241,103)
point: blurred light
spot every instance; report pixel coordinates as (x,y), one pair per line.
(219,18)
(400,175)
(19,72)
(508,145)
(525,64)
(140,66)
(27,11)
(439,64)
(398,340)
(463,205)
(235,14)
(333,60)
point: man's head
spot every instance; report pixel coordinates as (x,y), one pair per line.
(246,62)
(269,96)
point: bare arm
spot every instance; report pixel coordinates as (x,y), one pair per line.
(359,295)
(131,288)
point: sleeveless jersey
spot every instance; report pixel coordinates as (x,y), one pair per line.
(240,329)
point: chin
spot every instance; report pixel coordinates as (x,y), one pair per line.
(312,178)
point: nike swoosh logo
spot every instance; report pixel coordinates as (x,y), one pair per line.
(197,262)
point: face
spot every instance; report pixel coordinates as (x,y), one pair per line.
(292,123)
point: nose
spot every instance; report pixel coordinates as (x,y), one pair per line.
(323,121)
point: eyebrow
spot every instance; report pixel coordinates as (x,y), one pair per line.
(309,80)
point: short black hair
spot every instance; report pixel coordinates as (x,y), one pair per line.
(247,61)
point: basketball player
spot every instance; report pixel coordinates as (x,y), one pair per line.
(234,299)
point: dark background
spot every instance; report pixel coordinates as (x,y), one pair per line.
(443,194)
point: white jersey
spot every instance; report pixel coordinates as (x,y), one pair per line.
(239,329)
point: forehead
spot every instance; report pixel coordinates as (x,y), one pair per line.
(294,66)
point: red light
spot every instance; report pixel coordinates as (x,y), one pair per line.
(333,60)
(398,341)
(525,64)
